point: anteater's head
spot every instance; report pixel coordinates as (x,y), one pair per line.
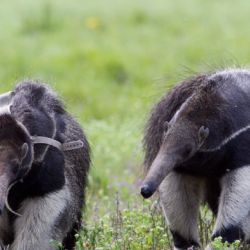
(186,132)
(16,153)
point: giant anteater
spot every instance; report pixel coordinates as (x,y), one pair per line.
(197,145)
(44,161)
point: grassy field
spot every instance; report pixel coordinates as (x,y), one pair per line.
(110,61)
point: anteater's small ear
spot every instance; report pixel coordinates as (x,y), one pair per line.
(24,150)
(166,126)
(203,134)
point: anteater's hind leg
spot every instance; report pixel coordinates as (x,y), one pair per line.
(70,240)
(233,217)
(180,198)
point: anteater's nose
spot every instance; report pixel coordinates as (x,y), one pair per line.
(147,191)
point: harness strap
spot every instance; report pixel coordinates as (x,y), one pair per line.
(67,146)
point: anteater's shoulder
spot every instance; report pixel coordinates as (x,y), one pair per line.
(38,95)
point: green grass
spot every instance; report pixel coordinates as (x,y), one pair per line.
(110,61)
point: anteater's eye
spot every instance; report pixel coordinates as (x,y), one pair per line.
(187,150)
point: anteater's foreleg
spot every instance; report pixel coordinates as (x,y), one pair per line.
(35,229)
(180,198)
(234,206)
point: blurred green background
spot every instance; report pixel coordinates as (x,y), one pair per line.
(110,60)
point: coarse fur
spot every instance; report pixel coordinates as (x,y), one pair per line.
(217,171)
(50,193)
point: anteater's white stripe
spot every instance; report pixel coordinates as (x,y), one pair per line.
(5,110)
(226,140)
(231,72)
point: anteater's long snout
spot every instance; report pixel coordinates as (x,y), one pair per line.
(160,168)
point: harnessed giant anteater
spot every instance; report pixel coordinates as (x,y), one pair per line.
(44,161)
(197,145)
